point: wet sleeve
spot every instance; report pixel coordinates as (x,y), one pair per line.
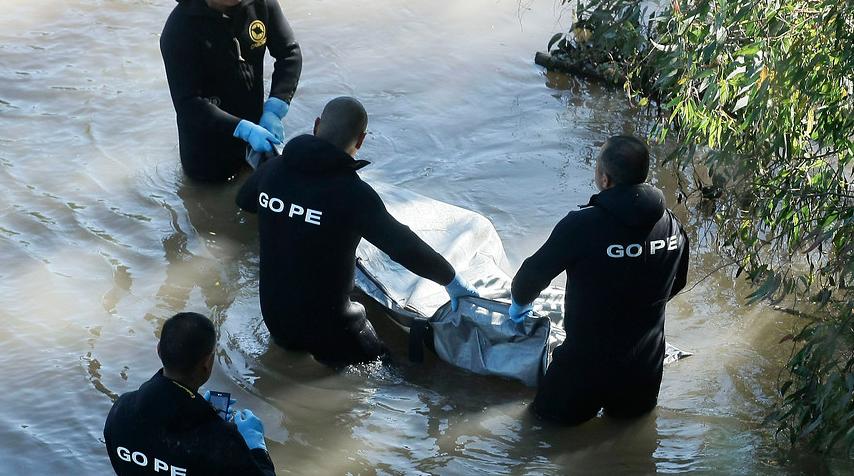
(232,457)
(682,273)
(398,241)
(263,462)
(537,272)
(182,58)
(284,48)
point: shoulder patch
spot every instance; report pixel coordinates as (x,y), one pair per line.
(258,33)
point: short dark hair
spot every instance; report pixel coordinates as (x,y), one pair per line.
(185,340)
(625,159)
(342,121)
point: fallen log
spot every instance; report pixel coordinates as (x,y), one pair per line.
(564,62)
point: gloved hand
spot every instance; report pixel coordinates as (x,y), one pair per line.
(274,111)
(251,428)
(518,312)
(259,138)
(458,288)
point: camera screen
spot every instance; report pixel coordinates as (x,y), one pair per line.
(220,400)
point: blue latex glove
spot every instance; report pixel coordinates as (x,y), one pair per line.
(251,428)
(259,138)
(518,312)
(458,288)
(274,111)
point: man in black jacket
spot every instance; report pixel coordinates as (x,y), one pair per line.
(166,427)
(313,209)
(213,51)
(625,255)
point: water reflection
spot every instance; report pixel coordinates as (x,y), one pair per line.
(102,239)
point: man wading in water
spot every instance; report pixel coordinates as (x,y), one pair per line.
(213,51)
(625,255)
(313,209)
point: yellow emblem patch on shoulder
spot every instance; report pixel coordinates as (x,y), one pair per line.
(258,33)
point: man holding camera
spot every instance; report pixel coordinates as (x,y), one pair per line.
(167,427)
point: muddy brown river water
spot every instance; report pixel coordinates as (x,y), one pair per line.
(102,238)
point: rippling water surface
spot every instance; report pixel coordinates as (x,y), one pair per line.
(102,238)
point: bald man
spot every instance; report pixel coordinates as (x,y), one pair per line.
(313,209)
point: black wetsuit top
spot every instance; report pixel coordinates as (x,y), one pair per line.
(313,209)
(214,86)
(625,255)
(165,426)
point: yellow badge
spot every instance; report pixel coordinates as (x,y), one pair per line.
(258,33)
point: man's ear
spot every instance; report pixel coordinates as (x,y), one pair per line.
(316,123)
(361,140)
(607,182)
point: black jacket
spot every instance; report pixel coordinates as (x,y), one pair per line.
(625,256)
(213,88)
(313,209)
(164,425)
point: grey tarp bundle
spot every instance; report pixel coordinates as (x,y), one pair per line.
(255,158)
(479,335)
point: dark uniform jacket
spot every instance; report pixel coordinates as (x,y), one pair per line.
(214,83)
(313,209)
(165,428)
(625,255)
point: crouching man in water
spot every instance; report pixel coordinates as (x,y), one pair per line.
(313,209)
(625,255)
(167,428)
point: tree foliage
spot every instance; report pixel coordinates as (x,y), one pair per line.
(761,93)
